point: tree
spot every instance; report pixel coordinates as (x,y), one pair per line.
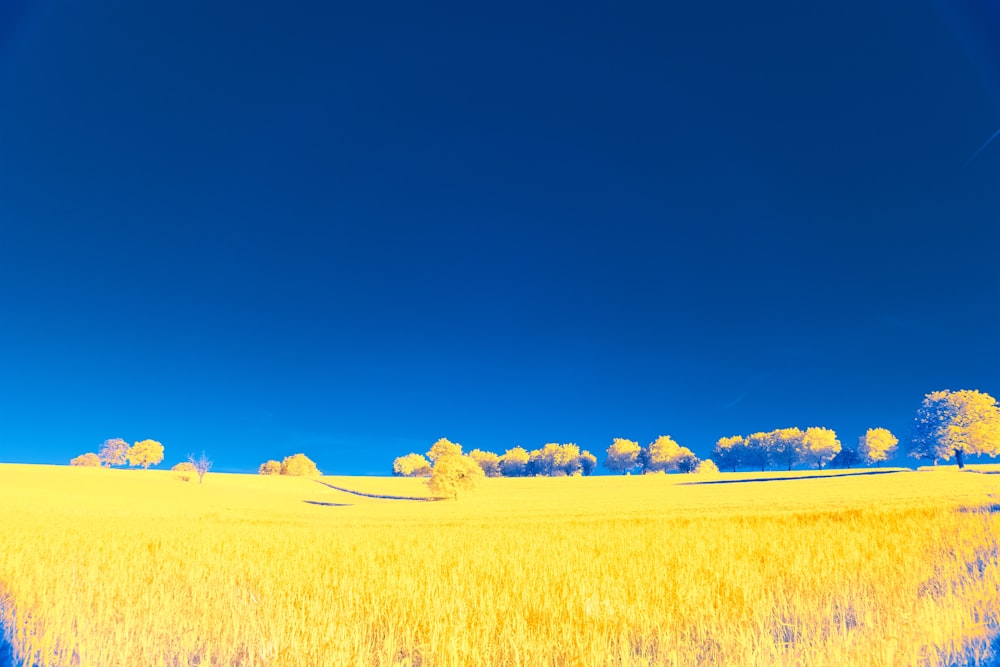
(665,454)
(271,467)
(145,453)
(453,473)
(707,467)
(787,446)
(877,445)
(202,465)
(588,462)
(622,455)
(686,462)
(514,462)
(488,461)
(819,445)
(846,457)
(299,465)
(956,423)
(88,460)
(657,455)
(411,465)
(113,452)
(443,447)
(555,460)
(729,452)
(757,450)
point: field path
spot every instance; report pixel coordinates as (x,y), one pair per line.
(372,495)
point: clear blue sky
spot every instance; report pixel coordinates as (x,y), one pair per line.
(261,228)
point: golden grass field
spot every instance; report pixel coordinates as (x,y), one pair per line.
(136,568)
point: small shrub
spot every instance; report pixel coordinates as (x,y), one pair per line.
(88,460)
(707,467)
(184,466)
(271,467)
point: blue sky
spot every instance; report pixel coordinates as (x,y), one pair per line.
(255,229)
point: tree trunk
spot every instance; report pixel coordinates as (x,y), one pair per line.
(960,458)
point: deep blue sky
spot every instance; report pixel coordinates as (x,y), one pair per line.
(263,228)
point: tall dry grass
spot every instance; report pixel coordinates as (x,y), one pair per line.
(107,567)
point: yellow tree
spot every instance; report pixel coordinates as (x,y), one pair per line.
(145,453)
(88,460)
(299,465)
(411,465)
(787,445)
(514,462)
(956,423)
(113,452)
(443,447)
(271,467)
(665,454)
(622,455)
(453,473)
(877,445)
(587,463)
(819,445)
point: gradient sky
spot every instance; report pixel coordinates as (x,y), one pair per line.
(256,229)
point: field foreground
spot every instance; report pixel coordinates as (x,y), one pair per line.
(116,567)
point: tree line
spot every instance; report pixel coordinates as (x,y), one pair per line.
(948,424)
(117,452)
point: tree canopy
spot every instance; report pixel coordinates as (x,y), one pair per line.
(114,452)
(622,455)
(88,460)
(453,473)
(145,453)
(955,423)
(411,465)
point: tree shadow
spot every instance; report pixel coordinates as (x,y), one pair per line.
(315,502)
(797,477)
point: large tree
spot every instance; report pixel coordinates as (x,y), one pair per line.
(758,450)
(453,473)
(113,452)
(956,423)
(729,452)
(819,445)
(443,447)
(664,454)
(877,445)
(786,446)
(145,453)
(299,465)
(622,455)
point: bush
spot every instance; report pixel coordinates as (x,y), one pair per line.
(88,460)
(299,465)
(271,467)
(707,467)
(184,466)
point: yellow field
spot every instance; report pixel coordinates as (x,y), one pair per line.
(134,568)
